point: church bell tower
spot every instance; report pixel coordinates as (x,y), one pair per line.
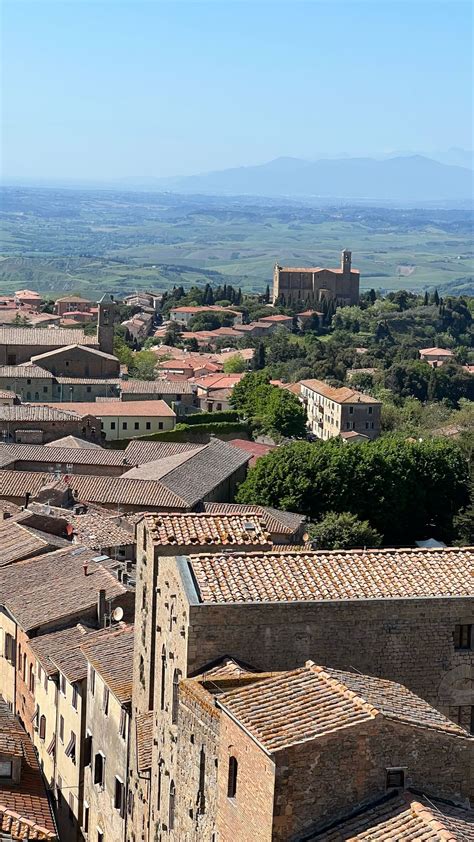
(105,324)
(346,261)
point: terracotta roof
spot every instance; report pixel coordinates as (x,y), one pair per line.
(25,811)
(27,293)
(89,381)
(403,818)
(75,298)
(44,336)
(119,408)
(110,652)
(337,270)
(74,442)
(18,542)
(198,528)
(337,575)
(26,587)
(53,454)
(225,667)
(72,347)
(60,650)
(24,371)
(255,448)
(438,352)
(219,381)
(6,393)
(144,740)
(101,528)
(341,394)
(284,523)
(39,412)
(159,387)
(276,318)
(95,489)
(139,452)
(307,703)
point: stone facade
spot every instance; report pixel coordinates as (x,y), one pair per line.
(339,411)
(310,286)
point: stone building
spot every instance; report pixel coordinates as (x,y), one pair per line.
(340,411)
(109,655)
(125,419)
(401,615)
(259,754)
(72,302)
(310,286)
(77,361)
(38,424)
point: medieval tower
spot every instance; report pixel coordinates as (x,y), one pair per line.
(105,323)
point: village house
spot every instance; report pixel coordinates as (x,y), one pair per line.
(38,423)
(28,298)
(69,303)
(435,357)
(183,315)
(337,411)
(400,615)
(109,655)
(125,419)
(25,807)
(178,394)
(258,754)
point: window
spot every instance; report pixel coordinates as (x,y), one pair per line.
(71,807)
(19,651)
(71,747)
(31,683)
(351,410)
(370,410)
(28,396)
(92,680)
(119,796)
(232,777)
(172,801)
(160,425)
(24,667)
(42,727)
(201,800)
(112,425)
(163,679)
(123,724)
(62,685)
(61,728)
(395,778)
(74,696)
(124,425)
(462,636)
(88,749)
(148,425)
(45,390)
(88,388)
(85,822)
(9,650)
(28,381)
(100,835)
(99,769)
(6,769)
(37,396)
(105,701)
(136,425)
(175,708)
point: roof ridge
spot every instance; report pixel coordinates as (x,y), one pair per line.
(342,689)
(432,817)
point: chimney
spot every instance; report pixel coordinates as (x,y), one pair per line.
(27,499)
(84,567)
(101,608)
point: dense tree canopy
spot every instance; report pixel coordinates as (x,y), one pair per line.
(407,490)
(270,409)
(343,531)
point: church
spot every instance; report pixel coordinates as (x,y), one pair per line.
(308,287)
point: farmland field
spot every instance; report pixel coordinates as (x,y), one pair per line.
(95,241)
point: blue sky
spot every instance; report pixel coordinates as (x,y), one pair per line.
(112,89)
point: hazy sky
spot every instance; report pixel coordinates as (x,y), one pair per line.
(110,88)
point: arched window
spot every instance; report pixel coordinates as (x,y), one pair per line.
(42,727)
(24,667)
(171,806)
(232,777)
(19,658)
(31,683)
(163,678)
(175,708)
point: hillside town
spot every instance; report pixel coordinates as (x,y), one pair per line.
(236,564)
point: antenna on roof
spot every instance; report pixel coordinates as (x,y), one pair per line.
(117,614)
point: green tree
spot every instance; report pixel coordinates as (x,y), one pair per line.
(406,489)
(258,359)
(343,531)
(172,335)
(282,413)
(235,364)
(143,365)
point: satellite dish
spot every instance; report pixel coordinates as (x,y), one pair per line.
(117,613)
(306,537)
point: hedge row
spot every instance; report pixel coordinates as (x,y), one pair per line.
(212,417)
(186,432)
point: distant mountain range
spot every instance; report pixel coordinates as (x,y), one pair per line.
(404,178)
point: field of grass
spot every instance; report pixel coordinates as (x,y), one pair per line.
(90,242)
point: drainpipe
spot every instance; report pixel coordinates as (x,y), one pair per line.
(127,774)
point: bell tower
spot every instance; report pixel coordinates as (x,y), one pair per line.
(105,324)
(346,261)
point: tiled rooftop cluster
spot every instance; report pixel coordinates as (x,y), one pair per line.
(110,652)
